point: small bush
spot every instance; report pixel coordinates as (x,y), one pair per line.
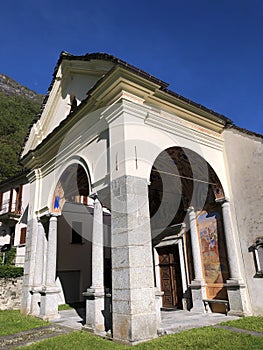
(11,271)
(9,257)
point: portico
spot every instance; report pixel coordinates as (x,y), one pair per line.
(129,203)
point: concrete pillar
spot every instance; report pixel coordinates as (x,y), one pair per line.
(236,290)
(95,302)
(133,290)
(49,292)
(39,270)
(198,287)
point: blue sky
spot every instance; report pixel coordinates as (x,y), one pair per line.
(210,51)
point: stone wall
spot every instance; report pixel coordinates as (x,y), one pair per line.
(244,155)
(10,293)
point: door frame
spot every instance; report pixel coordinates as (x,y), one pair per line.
(174,276)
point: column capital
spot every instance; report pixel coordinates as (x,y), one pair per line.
(226,202)
(223,200)
(53,217)
(95,198)
(190,209)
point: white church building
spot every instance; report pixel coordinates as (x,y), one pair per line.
(140,200)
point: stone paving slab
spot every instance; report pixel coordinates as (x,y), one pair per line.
(31,336)
(240,330)
(181,320)
(74,319)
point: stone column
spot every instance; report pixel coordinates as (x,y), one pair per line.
(49,293)
(197,286)
(133,290)
(39,270)
(233,263)
(158,291)
(35,178)
(52,252)
(185,300)
(95,295)
(235,286)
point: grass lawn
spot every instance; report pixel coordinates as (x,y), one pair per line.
(71,306)
(252,323)
(64,307)
(12,322)
(202,338)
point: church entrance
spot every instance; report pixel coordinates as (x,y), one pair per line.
(171,279)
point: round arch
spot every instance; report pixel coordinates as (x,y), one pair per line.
(73,181)
(182,181)
(181,178)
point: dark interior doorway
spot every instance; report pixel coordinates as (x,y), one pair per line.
(171,279)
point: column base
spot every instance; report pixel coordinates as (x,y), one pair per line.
(158,303)
(49,303)
(236,291)
(35,301)
(198,291)
(134,329)
(95,311)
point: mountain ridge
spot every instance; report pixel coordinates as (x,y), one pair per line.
(11,87)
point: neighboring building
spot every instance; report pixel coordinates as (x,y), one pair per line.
(139,194)
(14,196)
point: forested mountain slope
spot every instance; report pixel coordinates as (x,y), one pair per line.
(18,107)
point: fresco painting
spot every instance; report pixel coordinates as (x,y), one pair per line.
(58,199)
(212,247)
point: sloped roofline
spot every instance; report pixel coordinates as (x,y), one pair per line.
(142,73)
(118,62)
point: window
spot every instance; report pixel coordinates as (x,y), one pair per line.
(23,236)
(10,201)
(257,249)
(76,236)
(18,204)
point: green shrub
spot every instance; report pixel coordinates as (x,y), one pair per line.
(10,256)
(11,271)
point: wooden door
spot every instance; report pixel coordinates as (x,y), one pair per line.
(171,281)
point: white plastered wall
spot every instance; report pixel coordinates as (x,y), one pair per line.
(138,141)
(244,156)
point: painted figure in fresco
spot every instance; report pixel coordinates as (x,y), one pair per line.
(212,239)
(56,202)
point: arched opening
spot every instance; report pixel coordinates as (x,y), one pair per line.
(180,179)
(74,240)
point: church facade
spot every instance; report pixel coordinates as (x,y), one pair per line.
(140,200)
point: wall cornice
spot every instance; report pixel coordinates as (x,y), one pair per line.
(171,123)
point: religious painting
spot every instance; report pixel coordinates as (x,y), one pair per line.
(218,192)
(58,199)
(213,247)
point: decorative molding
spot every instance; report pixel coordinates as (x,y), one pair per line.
(177,126)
